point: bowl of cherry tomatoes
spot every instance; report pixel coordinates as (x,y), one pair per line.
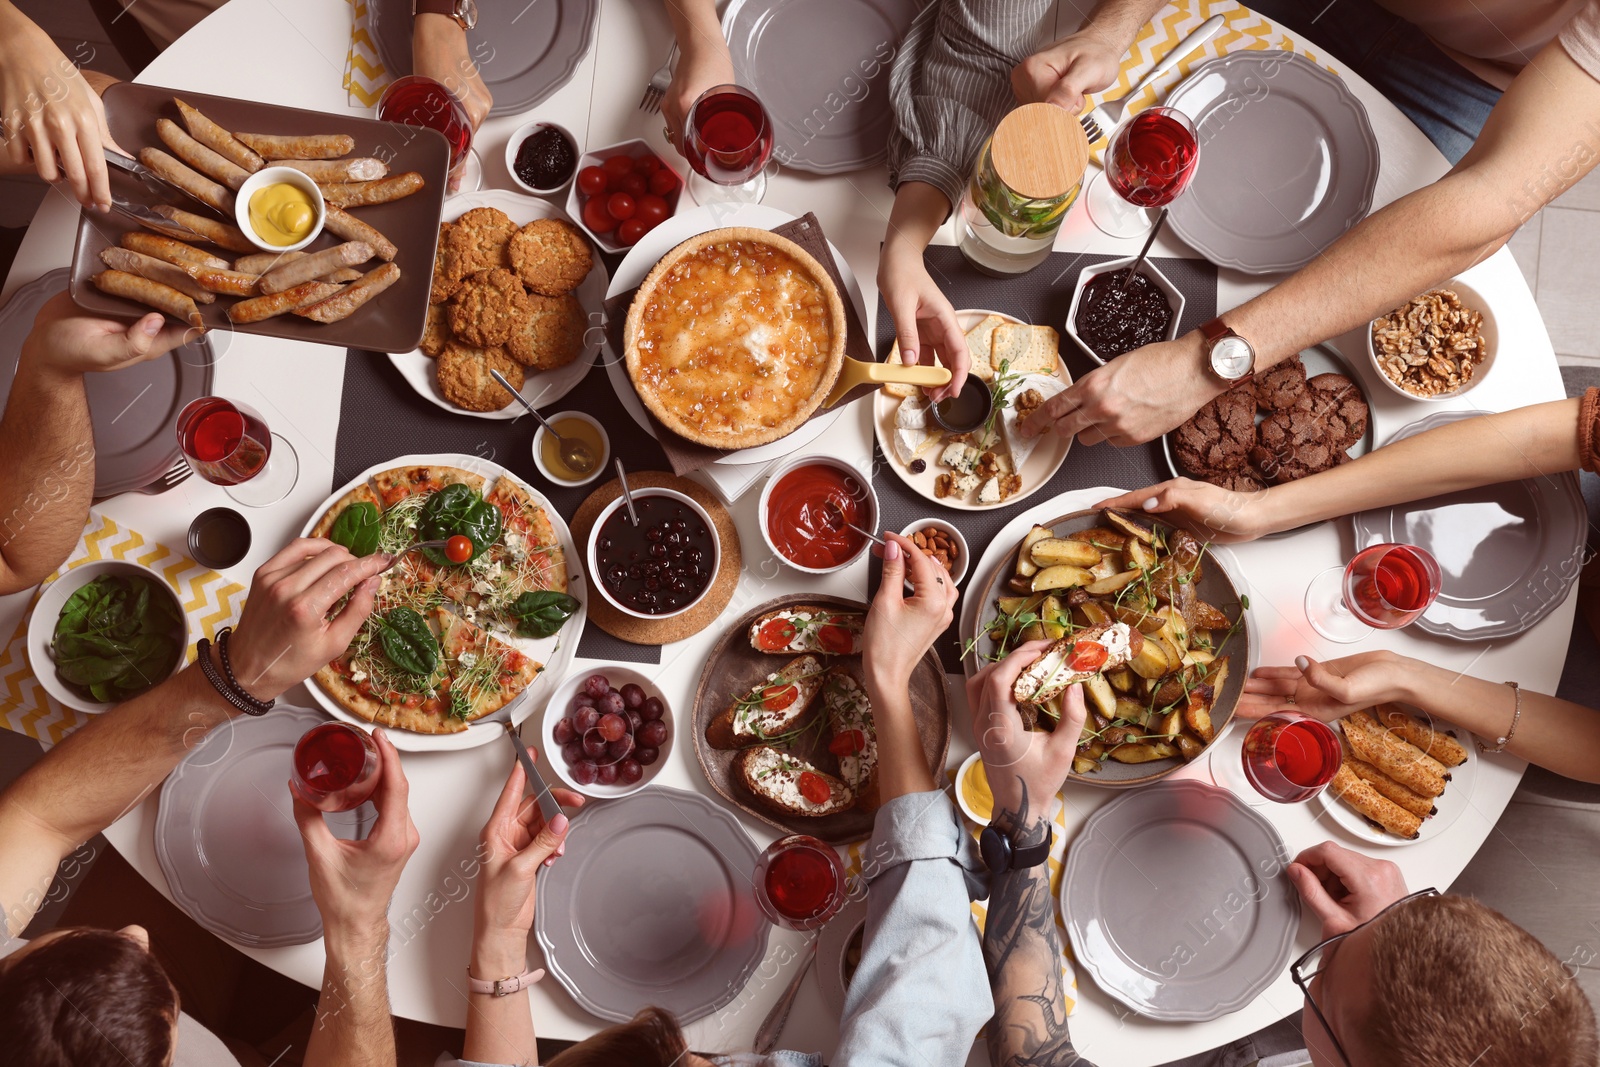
(622,193)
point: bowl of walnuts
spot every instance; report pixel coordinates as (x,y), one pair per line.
(1436,346)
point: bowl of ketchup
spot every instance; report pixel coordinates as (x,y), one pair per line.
(801,508)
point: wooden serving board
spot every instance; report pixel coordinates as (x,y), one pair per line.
(734,668)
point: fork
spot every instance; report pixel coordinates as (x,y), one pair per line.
(172,477)
(651,101)
(1108,116)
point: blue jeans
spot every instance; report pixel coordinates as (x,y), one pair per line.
(1447,102)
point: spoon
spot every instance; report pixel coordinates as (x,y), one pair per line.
(439,544)
(830,509)
(627,495)
(1133,268)
(578,457)
(772,1026)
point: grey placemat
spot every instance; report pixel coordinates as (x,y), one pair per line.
(1041,296)
(381,417)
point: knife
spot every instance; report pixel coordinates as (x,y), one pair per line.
(548,807)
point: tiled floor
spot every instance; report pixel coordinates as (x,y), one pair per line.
(1555,250)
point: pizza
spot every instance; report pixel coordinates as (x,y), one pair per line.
(440,647)
(735,338)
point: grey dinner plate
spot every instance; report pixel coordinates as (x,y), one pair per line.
(134,410)
(821,69)
(525,49)
(1177,901)
(652,904)
(1509,553)
(1288,161)
(226,837)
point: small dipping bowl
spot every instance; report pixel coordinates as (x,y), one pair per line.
(272,176)
(613,522)
(972,791)
(514,147)
(219,537)
(542,436)
(958,567)
(967,410)
(797,505)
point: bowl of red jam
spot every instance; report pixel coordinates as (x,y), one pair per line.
(1112,313)
(802,508)
(542,158)
(663,566)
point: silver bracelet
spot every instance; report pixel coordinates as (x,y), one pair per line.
(1516,717)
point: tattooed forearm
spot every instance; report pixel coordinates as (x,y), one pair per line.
(1022,951)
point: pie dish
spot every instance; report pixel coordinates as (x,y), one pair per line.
(735,338)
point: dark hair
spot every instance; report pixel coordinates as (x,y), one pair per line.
(1454,981)
(651,1038)
(88,998)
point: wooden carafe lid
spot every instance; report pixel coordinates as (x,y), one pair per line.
(1039,151)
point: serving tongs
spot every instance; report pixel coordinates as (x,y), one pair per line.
(858,377)
(156,187)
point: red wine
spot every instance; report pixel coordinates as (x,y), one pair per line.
(418,101)
(1153,158)
(335,766)
(1289,757)
(225,443)
(1389,586)
(729,138)
(800,882)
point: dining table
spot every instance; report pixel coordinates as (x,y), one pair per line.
(294,53)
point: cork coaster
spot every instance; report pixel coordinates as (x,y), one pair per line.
(678,627)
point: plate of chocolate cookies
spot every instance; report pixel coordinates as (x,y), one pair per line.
(515,288)
(1304,415)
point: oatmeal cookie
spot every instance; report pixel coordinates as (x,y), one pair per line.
(487,306)
(550,256)
(463,376)
(1277,389)
(437,332)
(477,241)
(443,286)
(548,333)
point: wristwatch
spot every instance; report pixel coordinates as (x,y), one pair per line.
(1000,855)
(465,12)
(1229,356)
(501,987)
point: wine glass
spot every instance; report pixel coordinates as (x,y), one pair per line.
(336,767)
(1290,757)
(727,140)
(228,444)
(799,882)
(418,101)
(1151,159)
(1384,587)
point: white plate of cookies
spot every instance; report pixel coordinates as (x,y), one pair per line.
(516,288)
(975,472)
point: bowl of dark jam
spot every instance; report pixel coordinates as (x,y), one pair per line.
(663,566)
(542,158)
(1114,312)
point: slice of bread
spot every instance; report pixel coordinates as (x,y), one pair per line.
(899,389)
(1049,676)
(849,712)
(773,779)
(809,622)
(1027,349)
(980,340)
(747,721)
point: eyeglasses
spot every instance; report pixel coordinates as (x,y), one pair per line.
(1314,962)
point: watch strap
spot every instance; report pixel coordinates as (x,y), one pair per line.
(447,8)
(1214,330)
(502,987)
(1034,854)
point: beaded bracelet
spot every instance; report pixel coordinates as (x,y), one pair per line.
(243,702)
(261,706)
(1516,717)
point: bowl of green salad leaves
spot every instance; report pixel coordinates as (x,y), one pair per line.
(104,632)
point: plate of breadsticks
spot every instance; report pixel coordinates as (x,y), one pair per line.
(375,191)
(1404,778)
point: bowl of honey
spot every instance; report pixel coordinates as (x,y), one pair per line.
(570,424)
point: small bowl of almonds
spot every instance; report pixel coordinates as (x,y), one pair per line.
(1436,346)
(937,538)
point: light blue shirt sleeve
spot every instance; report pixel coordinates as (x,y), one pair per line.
(921,992)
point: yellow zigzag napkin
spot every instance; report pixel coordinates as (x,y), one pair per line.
(364,76)
(210,600)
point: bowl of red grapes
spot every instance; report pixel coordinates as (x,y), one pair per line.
(607,732)
(622,193)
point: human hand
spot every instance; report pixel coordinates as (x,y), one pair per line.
(1327,690)
(1136,397)
(1212,512)
(1014,757)
(1343,888)
(514,843)
(67,342)
(439,51)
(901,629)
(702,63)
(352,881)
(1066,71)
(284,633)
(925,323)
(54,123)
